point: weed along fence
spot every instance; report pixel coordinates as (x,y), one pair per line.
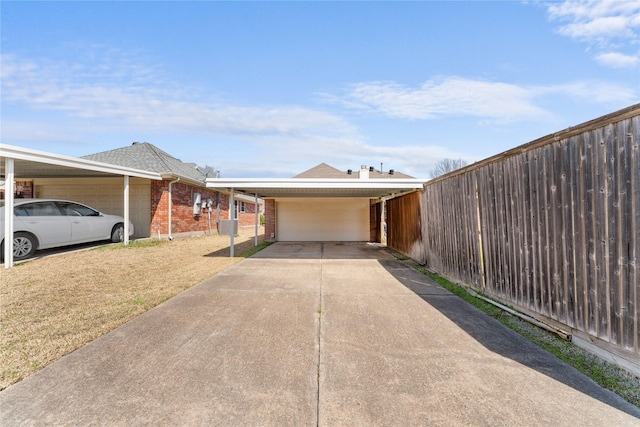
(551,228)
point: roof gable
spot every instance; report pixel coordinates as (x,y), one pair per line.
(324,170)
(146,156)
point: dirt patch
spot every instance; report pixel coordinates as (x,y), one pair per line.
(49,307)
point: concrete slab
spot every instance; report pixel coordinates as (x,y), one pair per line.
(313,334)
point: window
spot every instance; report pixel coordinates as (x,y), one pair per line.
(74,209)
(239,207)
(37,209)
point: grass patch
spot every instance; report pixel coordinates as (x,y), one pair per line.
(255,249)
(138,244)
(607,375)
(138,301)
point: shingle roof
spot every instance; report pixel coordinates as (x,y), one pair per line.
(145,156)
(323,170)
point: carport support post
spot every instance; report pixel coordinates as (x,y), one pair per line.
(8,211)
(255,238)
(126,210)
(232,223)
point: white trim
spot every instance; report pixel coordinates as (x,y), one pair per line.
(302,183)
(317,187)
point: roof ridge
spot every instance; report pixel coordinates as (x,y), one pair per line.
(146,156)
(160,154)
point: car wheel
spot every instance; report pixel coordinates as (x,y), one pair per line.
(24,245)
(117,234)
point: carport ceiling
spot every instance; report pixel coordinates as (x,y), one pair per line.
(305,187)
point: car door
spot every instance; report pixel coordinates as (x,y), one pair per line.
(45,221)
(86,223)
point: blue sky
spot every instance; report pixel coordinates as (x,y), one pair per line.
(270,89)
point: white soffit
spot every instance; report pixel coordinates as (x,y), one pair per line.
(313,187)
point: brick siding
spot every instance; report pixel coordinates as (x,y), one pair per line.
(182,217)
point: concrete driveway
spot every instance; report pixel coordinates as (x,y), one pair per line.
(306,334)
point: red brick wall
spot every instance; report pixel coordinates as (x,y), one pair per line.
(248,217)
(182,218)
(270,220)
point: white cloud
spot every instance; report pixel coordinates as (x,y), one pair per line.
(618,60)
(603,25)
(140,103)
(76,103)
(493,102)
(453,96)
(286,160)
(591,91)
(589,19)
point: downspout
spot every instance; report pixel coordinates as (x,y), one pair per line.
(127,215)
(170,208)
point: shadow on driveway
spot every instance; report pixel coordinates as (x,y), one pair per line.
(501,340)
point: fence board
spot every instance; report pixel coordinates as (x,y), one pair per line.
(580,243)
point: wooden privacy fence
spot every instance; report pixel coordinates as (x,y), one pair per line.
(551,227)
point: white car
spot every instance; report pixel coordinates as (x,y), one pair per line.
(48,223)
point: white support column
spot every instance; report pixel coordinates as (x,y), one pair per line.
(232,223)
(126,210)
(9,178)
(255,241)
(383,222)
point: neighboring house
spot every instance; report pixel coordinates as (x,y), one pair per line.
(332,218)
(324,203)
(180,199)
(324,170)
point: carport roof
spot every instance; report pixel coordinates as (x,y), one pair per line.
(39,164)
(317,187)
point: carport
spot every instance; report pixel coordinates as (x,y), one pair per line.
(18,162)
(308,202)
